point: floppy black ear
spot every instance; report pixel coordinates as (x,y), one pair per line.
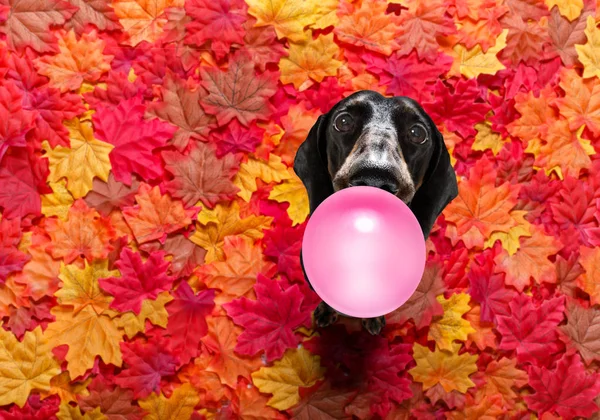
(310,164)
(439,186)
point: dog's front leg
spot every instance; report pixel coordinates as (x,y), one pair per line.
(374,325)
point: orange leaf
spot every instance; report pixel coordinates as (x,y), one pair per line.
(156,215)
(483,335)
(481,207)
(536,114)
(500,378)
(581,104)
(370,27)
(85,234)
(235,276)
(297,123)
(221,340)
(79,60)
(531,260)
(588,281)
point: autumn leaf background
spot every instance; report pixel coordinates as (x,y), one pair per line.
(151,220)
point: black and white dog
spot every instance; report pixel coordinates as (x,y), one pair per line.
(388,143)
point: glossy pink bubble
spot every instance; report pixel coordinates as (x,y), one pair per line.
(363,252)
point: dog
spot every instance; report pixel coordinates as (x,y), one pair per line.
(384,142)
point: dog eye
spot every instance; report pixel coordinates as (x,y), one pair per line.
(417,134)
(343,123)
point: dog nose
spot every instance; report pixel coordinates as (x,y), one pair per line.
(375,178)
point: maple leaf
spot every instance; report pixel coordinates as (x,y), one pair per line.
(78,61)
(88,335)
(580,332)
(115,404)
(139,280)
(40,273)
(235,276)
(180,105)
(186,255)
(321,401)
(511,240)
(450,370)
(96,12)
(526,39)
(483,335)
(287,17)
(217,21)
(581,105)
(272,171)
(235,138)
(260,43)
(86,159)
(201,176)
(111,195)
(11,259)
(28,23)
(80,287)
(143,20)
(293,192)
(531,260)
(447,109)
(221,341)
(531,330)
(452,326)
(59,202)
(237,93)
(567,390)
(26,365)
(421,24)
(588,52)
(314,60)
(156,215)
(17,122)
(536,115)
(225,221)
(146,365)
(179,406)
(422,306)
(298,368)
(187,320)
(500,378)
(569,9)
(67,411)
(85,234)
(371,28)
(482,207)
(68,392)
(565,34)
(474,62)
(152,310)
(133,138)
(270,320)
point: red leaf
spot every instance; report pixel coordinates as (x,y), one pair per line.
(134,139)
(283,245)
(111,195)
(139,280)
(34,409)
(321,402)
(187,320)
(14,121)
(21,319)
(269,321)
(530,330)
(567,390)
(186,255)
(118,89)
(28,24)
(95,12)
(261,44)
(239,92)
(200,176)
(23,178)
(565,34)
(235,138)
(459,110)
(525,41)
(11,259)
(219,21)
(115,404)
(146,365)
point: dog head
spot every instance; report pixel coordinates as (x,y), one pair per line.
(388,143)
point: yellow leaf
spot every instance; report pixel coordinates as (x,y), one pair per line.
(314,59)
(448,369)
(474,62)
(325,14)
(67,412)
(67,390)
(24,366)
(298,368)
(85,159)
(487,139)
(571,9)
(510,239)
(57,203)
(152,310)
(288,17)
(589,53)
(452,326)
(225,221)
(143,20)
(180,406)
(271,171)
(81,288)
(88,335)
(77,61)
(293,192)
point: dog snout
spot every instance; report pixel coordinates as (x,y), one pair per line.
(375,177)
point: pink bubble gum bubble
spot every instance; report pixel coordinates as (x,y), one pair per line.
(363,252)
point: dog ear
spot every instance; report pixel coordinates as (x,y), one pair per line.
(439,185)
(310,164)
